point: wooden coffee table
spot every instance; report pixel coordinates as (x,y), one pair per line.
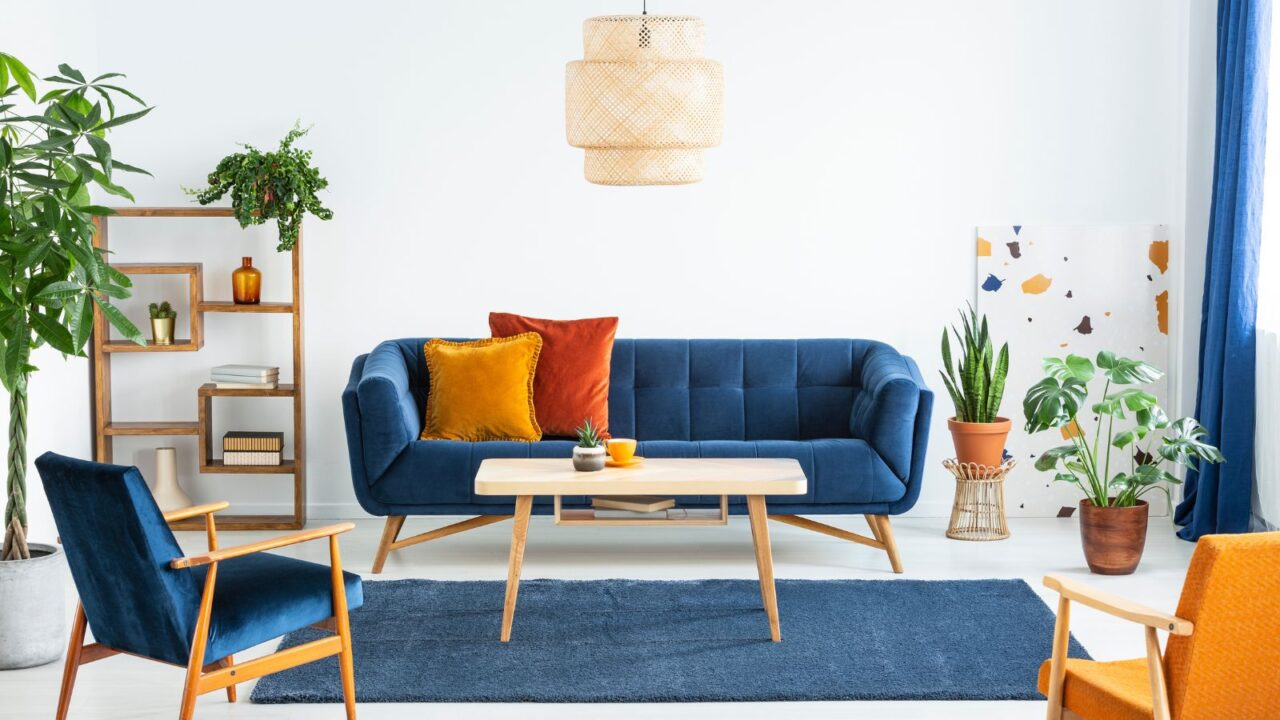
(753,477)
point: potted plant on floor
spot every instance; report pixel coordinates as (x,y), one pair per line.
(281,185)
(976,386)
(51,277)
(1113,515)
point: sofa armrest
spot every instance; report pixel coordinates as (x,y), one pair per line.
(389,418)
(884,413)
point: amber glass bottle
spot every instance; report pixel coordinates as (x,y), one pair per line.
(246,283)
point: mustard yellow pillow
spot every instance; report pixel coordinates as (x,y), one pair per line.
(483,389)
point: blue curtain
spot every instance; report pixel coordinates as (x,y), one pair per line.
(1217,498)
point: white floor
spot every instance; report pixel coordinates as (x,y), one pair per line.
(124,687)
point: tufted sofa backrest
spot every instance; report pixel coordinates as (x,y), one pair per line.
(722,389)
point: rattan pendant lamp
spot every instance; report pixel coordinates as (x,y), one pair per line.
(643,102)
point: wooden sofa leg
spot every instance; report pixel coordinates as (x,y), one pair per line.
(880,528)
(890,545)
(74,647)
(875,527)
(390,532)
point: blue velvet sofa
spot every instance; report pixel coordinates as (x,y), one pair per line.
(854,413)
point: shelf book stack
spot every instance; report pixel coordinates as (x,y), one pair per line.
(245,377)
(252,448)
(262,388)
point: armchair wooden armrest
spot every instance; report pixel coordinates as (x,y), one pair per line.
(214,556)
(1118,606)
(195,511)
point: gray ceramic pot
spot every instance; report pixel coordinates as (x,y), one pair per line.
(33,619)
(588,459)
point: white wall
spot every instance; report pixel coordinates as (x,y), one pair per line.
(863,143)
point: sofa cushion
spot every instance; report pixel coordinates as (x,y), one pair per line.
(572,382)
(840,470)
(482,389)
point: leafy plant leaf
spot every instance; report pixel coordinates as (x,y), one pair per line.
(119,321)
(1074,366)
(1052,404)
(21,75)
(1123,371)
(53,333)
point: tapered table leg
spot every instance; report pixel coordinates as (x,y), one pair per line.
(520,529)
(764,561)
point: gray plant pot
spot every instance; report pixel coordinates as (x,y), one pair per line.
(33,618)
(588,459)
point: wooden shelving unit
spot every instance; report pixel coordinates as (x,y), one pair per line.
(106,428)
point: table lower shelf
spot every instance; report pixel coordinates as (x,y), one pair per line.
(586,516)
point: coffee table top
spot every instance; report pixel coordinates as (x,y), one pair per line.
(654,476)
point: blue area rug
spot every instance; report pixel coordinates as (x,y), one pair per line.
(700,641)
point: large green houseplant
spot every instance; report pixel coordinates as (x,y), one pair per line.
(53,149)
(976,385)
(265,185)
(1113,515)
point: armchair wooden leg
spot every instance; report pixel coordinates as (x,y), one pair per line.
(227,662)
(72,665)
(191,690)
(1058,664)
(890,545)
(346,663)
(389,534)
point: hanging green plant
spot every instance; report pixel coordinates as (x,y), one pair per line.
(265,185)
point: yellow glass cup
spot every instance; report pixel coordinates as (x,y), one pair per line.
(621,449)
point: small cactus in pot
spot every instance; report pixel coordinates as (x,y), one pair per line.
(162,318)
(588,456)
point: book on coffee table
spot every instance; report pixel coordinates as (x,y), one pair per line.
(635,503)
(629,515)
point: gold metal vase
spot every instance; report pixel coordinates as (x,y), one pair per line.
(162,331)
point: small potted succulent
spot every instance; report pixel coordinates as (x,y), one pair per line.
(1113,515)
(162,317)
(976,387)
(588,456)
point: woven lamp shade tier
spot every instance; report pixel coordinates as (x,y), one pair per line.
(643,102)
(978,510)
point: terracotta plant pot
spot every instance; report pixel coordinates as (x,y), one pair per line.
(980,443)
(1113,537)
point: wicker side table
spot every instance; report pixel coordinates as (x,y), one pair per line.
(978,510)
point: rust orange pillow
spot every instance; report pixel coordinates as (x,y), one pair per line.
(572,382)
(482,389)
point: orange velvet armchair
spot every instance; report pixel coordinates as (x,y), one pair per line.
(1223,654)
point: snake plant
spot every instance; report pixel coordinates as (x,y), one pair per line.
(976,382)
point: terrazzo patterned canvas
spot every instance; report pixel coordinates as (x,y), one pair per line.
(1055,290)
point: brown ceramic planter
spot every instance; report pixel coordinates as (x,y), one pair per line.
(980,443)
(1113,538)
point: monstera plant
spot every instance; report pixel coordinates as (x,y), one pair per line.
(1125,455)
(53,150)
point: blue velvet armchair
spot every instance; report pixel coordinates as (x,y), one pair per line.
(141,596)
